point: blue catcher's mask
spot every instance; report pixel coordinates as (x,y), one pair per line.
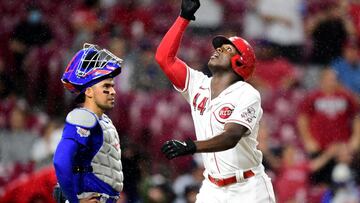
(89,66)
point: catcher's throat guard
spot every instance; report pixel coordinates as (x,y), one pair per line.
(89,66)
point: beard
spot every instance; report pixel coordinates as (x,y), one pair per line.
(106,107)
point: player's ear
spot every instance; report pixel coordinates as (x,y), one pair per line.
(89,92)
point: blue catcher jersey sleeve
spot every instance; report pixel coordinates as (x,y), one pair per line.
(63,163)
(80,124)
(78,134)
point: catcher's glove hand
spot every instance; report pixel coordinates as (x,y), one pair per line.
(175,148)
(188,9)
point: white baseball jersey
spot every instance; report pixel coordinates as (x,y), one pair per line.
(238,103)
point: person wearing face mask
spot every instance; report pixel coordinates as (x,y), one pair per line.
(31,32)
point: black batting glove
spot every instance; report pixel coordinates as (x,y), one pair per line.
(175,148)
(188,9)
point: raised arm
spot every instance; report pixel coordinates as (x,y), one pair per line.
(173,67)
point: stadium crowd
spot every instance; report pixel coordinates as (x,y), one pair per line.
(308,73)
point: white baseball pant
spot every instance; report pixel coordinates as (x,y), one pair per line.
(257,189)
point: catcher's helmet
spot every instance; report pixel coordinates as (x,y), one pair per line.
(89,66)
(243,63)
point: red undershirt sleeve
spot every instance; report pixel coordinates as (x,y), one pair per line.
(174,68)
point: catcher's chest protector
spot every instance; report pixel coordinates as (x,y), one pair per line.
(107,162)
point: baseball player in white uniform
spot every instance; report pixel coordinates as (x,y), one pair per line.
(226,111)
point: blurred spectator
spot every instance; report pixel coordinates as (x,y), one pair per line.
(121,112)
(279,83)
(347,67)
(343,188)
(86,16)
(43,67)
(283,26)
(123,198)
(17,135)
(206,21)
(292,171)
(280,113)
(163,12)
(130,159)
(35,187)
(147,76)
(273,72)
(254,28)
(186,186)
(352,8)
(150,123)
(30,32)
(85,21)
(233,11)
(140,113)
(328,31)
(157,190)
(121,48)
(33,31)
(328,116)
(7,95)
(43,149)
(131,18)
(190,193)
(6,85)
(15,145)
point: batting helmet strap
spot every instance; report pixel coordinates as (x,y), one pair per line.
(243,63)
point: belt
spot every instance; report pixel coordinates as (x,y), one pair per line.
(102,197)
(227,181)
